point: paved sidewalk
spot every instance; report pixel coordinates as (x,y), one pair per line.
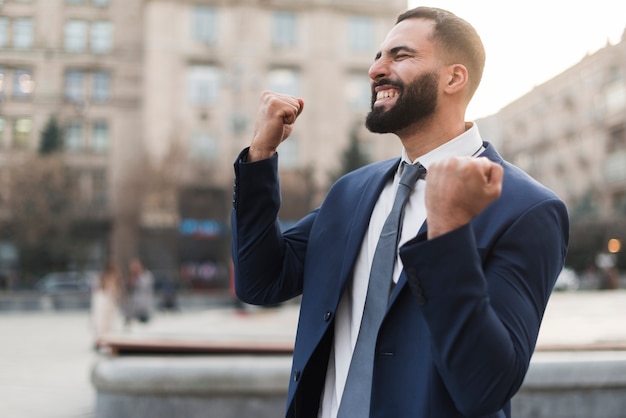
(252,327)
(573,320)
(45,365)
(594,318)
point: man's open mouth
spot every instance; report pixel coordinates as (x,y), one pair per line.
(386,94)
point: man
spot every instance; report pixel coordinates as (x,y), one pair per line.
(470,285)
(142,291)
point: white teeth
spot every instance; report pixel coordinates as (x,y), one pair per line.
(386,94)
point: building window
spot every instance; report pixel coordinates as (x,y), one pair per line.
(204,24)
(203,84)
(75,85)
(23,33)
(74,135)
(203,146)
(75,1)
(22,128)
(1,133)
(359,92)
(4,32)
(23,83)
(284,33)
(101,3)
(101,89)
(615,95)
(616,139)
(284,80)
(99,188)
(100,136)
(75,36)
(361,34)
(288,153)
(101,37)
(2,78)
(76,80)
(84,186)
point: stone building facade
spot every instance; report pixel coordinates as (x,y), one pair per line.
(157,97)
(570,134)
(79,62)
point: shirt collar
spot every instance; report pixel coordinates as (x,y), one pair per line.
(469,143)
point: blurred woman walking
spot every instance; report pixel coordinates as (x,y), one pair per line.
(105,304)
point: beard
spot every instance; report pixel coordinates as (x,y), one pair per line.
(415,104)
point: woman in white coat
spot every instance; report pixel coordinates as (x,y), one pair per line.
(105,303)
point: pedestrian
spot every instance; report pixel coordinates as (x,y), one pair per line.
(169,300)
(141,282)
(450,329)
(106,314)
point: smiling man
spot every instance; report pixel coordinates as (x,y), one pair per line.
(422,296)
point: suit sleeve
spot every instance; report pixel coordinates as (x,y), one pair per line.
(268,264)
(484,310)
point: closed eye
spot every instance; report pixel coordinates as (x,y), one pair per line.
(398,53)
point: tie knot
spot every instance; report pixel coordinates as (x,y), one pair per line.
(411,173)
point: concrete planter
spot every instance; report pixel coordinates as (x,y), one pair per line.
(574,385)
(222,386)
(563,384)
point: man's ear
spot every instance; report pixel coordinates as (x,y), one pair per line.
(456,78)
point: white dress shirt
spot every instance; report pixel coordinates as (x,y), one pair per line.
(350,309)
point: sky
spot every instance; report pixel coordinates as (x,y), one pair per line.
(529,42)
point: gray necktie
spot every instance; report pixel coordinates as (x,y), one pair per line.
(355,402)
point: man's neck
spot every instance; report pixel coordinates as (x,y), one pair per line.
(427,137)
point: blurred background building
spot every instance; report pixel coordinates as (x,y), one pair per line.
(120,121)
(570,134)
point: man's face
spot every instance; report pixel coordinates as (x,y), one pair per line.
(405,79)
(416,101)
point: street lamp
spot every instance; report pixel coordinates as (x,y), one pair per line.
(614,245)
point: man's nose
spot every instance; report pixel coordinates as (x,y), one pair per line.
(378,70)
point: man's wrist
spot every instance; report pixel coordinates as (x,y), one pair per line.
(257,154)
(437,228)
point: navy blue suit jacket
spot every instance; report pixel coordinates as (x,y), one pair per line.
(462,322)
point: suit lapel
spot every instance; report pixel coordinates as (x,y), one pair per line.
(362,214)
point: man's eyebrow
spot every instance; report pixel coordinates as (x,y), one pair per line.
(395,50)
(401,48)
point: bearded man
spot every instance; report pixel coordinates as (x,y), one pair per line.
(438,316)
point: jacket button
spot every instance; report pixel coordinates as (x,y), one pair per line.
(296,375)
(327,316)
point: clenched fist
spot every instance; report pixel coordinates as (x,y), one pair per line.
(458,189)
(275,118)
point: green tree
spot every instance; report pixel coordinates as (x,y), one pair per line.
(51,139)
(352,157)
(40,205)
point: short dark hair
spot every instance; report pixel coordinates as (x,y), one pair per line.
(456,38)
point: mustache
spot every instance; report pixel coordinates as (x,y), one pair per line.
(387,82)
